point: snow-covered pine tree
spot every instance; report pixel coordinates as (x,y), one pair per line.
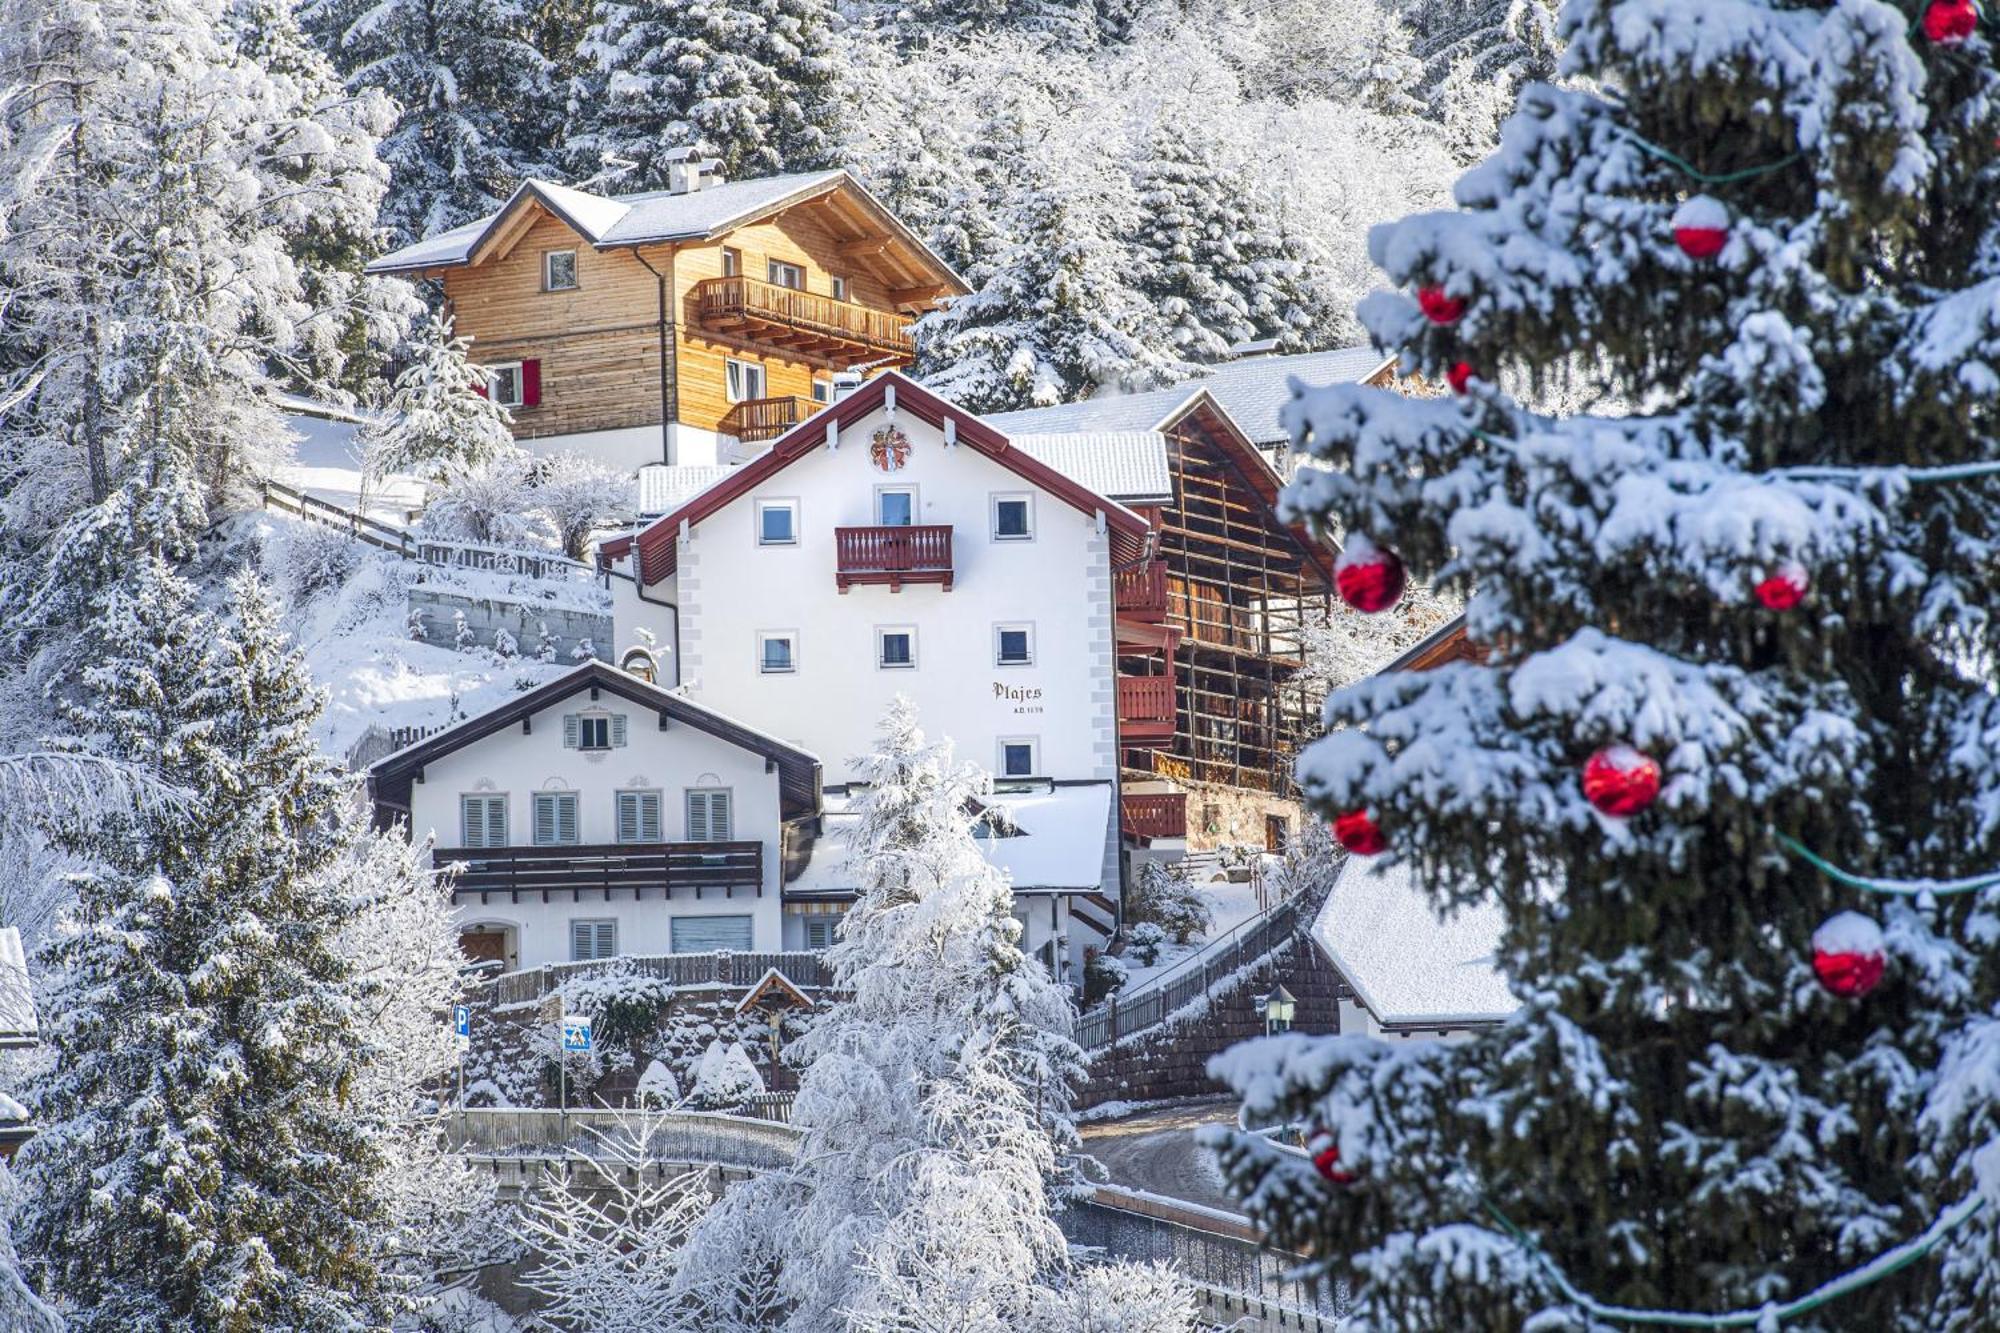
(756,83)
(1775,584)
(199,1165)
(156,188)
(434,424)
(477,100)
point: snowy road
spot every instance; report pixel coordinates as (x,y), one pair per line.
(1155,1151)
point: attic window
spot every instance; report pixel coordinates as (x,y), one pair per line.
(559,271)
(786,275)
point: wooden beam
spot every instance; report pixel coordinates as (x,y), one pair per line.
(866,247)
(917,295)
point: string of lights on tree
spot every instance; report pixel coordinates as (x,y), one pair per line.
(1849,957)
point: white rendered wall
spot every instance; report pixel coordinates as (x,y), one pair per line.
(670,761)
(629,448)
(730,588)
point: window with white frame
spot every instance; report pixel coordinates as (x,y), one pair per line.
(777,522)
(1013,518)
(732,261)
(709,815)
(592,940)
(1014,645)
(482,821)
(777,652)
(786,275)
(895,506)
(821,931)
(639,816)
(506,383)
(839,288)
(593,731)
(896,647)
(743,380)
(822,391)
(1018,755)
(559,271)
(555,818)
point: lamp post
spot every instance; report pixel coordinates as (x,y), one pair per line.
(1279,1007)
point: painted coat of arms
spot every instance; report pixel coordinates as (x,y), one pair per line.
(889,448)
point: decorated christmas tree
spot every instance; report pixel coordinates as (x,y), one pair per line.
(1728,766)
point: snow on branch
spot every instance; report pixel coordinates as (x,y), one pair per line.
(40,788)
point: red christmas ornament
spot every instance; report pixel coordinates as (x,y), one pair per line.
(1701,227)
(1326,1157)
(1459,376)
(1620,780)
(1439,308)
(1949,22)
(1368,578)
(1358,832)
(1848,957)
(1783,588)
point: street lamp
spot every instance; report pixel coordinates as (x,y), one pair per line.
(1279,1006)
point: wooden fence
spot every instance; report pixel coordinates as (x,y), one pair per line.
(449,554)
(676,969)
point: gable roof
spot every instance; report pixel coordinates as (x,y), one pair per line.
(1251,390)
(655,217)
(1129,466)
(1407,965)
(656,545)
(799,777)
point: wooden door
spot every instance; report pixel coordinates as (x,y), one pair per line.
(481,946)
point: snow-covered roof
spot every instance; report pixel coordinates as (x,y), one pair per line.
(17,1000)
(663,487)
(1129,466)
(1059,845)
(1251,391)
(1406,965)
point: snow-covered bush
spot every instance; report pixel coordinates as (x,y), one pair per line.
(504,644)
(1144,942)
(580,497)
(310,558)
(1103,975)
(492,504)
(623,1005)
(726,1078)
(657,1086)
(1118,1298)
(1164,897)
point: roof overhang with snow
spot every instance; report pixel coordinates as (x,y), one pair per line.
(1409,967)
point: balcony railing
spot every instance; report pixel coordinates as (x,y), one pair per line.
(893,555)
(756,419)
(1153,814)
(1141,592)
(1146,708)
(840,331)
(606,866)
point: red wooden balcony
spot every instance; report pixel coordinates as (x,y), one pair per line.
(756,419)
(842,332)
(919,553)
(1145,708)
(1141,592)
(575,868)
(1153,814)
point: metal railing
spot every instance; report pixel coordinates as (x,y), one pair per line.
(630,865)
(738,304)
(893,555)
(1159,998)
(721,968)
(675,1136)
(756,419)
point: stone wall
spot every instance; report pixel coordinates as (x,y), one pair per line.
(486,617)
(1172,1060)
(1239,815)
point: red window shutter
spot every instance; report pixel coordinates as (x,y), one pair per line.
(479,387)
(531,383)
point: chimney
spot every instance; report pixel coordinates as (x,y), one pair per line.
(846,383)
(689,169)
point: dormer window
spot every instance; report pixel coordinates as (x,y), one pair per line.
(593,731)
(559,271)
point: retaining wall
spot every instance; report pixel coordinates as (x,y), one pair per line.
(486,617)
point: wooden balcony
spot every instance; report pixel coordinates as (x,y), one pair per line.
(893,555)
(756,419)
(1153,814)
(839,332)
(1145,708)
(1141,593)
(578,868)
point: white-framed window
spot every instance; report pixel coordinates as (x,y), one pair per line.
(506,383)
(821,931)
(896,647)
(710,817)
(1018,756)
(592,940)
(777,522)
(559,271)
(555,819)
(744,380)
(777,651)
(1014,645)
(839,285)
(639,817)
(822,391)
(593,731)
(1013,518)
(786,275)
(482,821)
(895,506)
(732,261)
(710,934)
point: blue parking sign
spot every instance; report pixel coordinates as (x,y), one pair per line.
(461,1019)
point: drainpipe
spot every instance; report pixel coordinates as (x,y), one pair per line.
(669,376)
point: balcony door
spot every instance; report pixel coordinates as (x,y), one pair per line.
(895,506)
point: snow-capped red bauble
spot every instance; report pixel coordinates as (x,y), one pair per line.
(1439,308)
(1848,957)
(1949,22)
(1368,577)
(1620,780)
(1783,588)
(1358,832)
(1701,227)
(1459,377)
(1326,1157)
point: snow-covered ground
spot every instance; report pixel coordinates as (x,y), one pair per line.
(326,463)
(1229,904)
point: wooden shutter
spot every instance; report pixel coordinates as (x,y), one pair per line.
(697,816)
(531,383)
(570,727)
(581,941)
(545,820)
(607,939)
(638,816)
(617,728)
(708,816)
(628,816)
(555,818)
(485,821)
